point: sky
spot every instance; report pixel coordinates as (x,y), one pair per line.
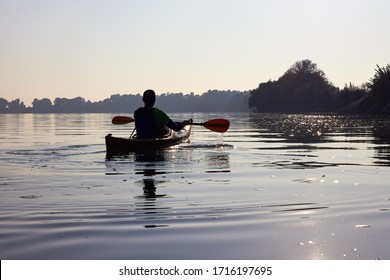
(95,48)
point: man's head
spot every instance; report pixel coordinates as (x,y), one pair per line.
(149,98)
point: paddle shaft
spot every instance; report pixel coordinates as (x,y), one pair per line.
(216,125)
(207,125)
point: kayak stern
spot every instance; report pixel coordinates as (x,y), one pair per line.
(119,145)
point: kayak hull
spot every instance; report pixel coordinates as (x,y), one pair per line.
(118,145)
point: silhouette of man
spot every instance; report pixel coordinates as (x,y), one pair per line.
(151,122)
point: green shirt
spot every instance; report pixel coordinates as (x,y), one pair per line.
(160,117)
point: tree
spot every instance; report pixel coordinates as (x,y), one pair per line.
(351,93)
(15,106)
(42,106)
(308,87)
(265,98)
(380,84)
(3,105)
(302,88)
(305,69)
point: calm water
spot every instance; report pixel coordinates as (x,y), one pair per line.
(273,187)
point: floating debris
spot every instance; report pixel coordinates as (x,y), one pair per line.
(30,196)
(306,180)
(362,226)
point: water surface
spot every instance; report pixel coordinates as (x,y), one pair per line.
(272,187)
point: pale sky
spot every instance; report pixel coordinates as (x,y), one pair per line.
(95,48)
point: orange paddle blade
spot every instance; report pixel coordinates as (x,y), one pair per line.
(217,125)
(122,120)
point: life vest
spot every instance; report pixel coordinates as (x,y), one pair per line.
(145,124)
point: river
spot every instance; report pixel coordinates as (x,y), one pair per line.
(274,186)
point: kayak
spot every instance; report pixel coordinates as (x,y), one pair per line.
(118,145)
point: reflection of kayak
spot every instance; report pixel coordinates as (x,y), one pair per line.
(117,145)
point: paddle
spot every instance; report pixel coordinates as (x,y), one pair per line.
(122,120)
(217,125)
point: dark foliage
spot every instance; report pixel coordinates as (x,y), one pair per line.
(303,88)
(380,84)
(210,101)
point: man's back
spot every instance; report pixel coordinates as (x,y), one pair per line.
(147,123)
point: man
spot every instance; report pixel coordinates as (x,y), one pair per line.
(151,122)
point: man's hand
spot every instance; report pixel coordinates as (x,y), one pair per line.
(187,122)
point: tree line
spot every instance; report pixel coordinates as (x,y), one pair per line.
(302,88)
(305,88)
(210,101)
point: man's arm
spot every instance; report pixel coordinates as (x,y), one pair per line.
(175,126)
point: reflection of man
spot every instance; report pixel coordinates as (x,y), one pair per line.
(151,122)
(149,188)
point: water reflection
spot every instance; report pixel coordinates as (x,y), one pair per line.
(324,132)
(155,172)
(381,132)
(150,206)
(298,128)
(217,162)
(150,189)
